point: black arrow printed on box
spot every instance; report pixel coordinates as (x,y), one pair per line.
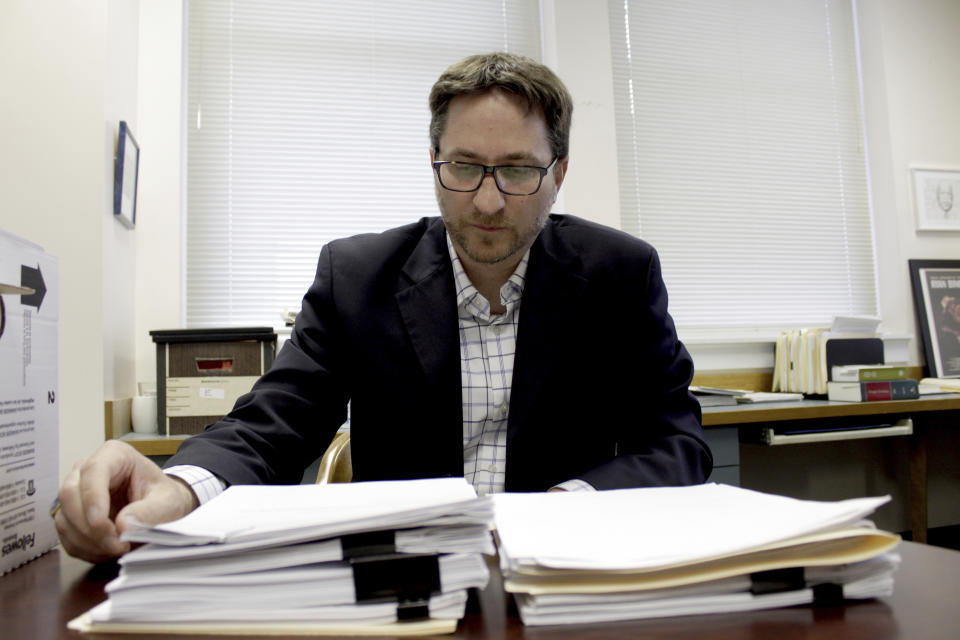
(32,278)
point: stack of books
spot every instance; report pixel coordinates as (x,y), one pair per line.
(645,553)
(373,558)
(804,358)
(868,382)
(716,397)
(939,385)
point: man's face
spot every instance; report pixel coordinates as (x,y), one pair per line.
(945,196)
(953,310)
(494,128)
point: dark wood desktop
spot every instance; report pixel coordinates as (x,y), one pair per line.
(38,599)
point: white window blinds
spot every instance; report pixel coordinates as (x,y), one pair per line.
(741,157)
(307,121)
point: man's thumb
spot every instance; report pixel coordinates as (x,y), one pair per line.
(163,502)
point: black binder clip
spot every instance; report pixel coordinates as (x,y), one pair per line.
(404,577)
(368,543)
(828,594)
(410,610)
(777,581)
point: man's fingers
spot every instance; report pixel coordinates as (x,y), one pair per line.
(108,469)
(72,517)
(83,546)
(165,499)
(95,488)
(105,493)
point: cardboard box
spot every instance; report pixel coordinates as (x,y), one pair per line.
(29,436)
(202,372)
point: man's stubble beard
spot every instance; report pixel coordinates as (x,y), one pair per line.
(460,239)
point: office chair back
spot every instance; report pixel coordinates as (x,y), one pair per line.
(336,464)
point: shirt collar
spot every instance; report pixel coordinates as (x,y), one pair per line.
(469,298)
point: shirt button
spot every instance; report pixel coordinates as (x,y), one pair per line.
(492,468)
(497,329)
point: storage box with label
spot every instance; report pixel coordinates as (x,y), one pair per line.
(29,413)
(202,372)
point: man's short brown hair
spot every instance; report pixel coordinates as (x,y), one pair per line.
(532,82)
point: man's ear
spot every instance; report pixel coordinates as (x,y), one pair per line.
(560,171)
(433,156)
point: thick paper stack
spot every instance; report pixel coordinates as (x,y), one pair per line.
(347,559)
(644,553)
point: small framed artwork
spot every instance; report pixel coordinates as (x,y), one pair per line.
(936,296)
(936,198)
(125,177)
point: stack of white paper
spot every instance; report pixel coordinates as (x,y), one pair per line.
(340,558)
(640,553)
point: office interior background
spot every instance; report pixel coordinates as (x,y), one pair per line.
(70,71)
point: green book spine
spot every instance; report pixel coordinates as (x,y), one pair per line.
(883,373)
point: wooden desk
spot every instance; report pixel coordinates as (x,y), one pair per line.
(38,599)
(750,416)
(157,445)
(811,409)
(153,445)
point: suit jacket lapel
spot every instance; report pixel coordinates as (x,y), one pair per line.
(553,287)
(428,306)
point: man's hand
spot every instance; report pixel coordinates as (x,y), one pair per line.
(106,492)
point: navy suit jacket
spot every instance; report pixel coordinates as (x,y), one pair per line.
(599,383)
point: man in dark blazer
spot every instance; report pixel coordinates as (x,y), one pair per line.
(523,350)
(599,386)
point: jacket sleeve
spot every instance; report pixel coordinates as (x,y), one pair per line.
(659,439)
(291,414)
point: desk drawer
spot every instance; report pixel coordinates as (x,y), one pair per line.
(724,444)
(726,475)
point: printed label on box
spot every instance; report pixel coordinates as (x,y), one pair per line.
(29,456)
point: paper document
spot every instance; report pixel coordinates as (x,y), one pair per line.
(657,527)
(767,396)
(294,513)
(339,559)
(640,553)
(871,579)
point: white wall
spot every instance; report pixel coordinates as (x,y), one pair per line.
(120,103)
(66,82)
(591,187)
(159,272)
(911,51)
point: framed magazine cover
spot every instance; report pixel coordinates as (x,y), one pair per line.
(936,296)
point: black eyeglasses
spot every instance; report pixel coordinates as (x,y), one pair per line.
(513,180)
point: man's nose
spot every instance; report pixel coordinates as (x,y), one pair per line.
(488,199)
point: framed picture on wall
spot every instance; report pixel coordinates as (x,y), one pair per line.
(125,177)
(936,296)
(936,198)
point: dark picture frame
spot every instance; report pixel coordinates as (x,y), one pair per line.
(936,297)
(125,177)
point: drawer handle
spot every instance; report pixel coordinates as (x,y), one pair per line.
(900,428)
(214,365)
